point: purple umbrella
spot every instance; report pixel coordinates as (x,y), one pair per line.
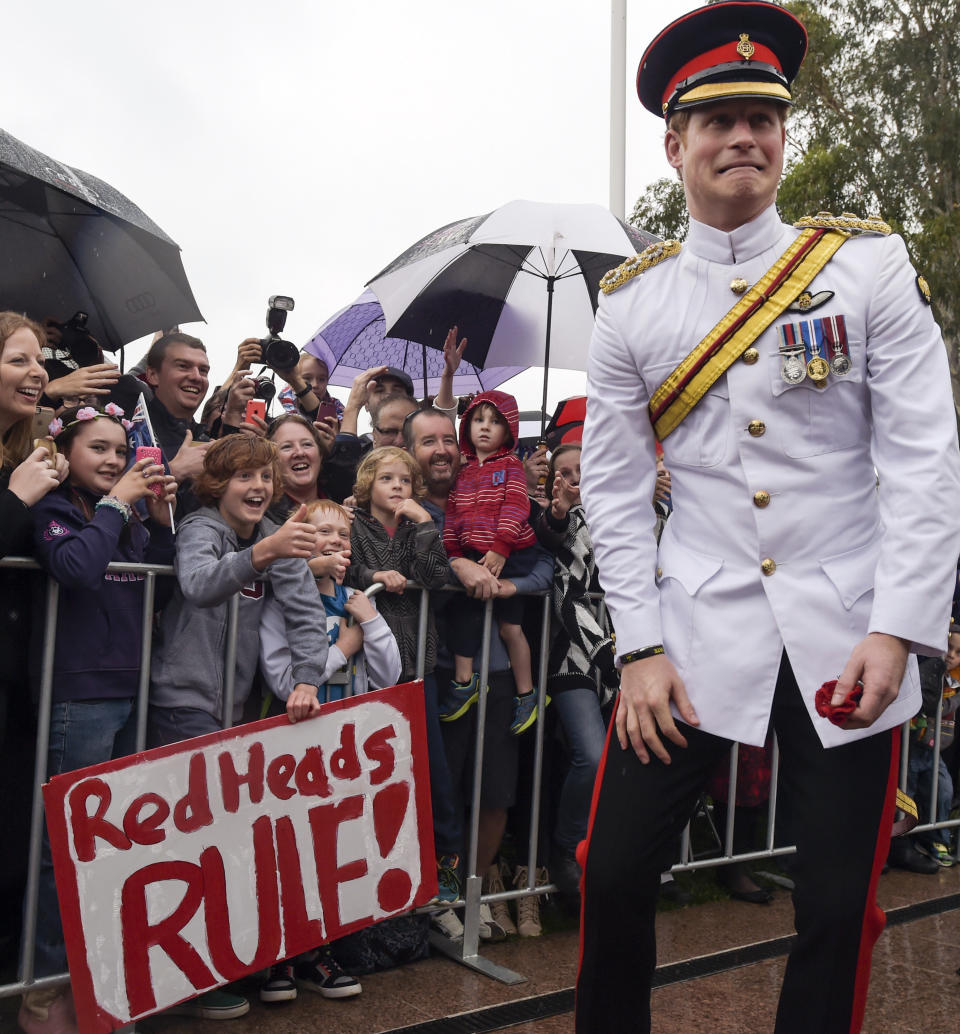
(354,339)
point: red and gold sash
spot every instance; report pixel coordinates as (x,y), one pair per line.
(741,326)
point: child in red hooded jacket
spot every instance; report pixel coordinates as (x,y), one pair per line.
(486,521)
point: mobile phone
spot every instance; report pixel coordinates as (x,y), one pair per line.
(41,421)
(255,407)
(151,452)
(327,408)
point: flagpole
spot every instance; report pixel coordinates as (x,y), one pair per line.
(153,438)
(618,107)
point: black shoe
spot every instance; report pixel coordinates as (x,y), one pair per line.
(565,872)
(904,855)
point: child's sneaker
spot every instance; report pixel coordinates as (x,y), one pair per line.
(280,985)
(461,696)
(212,1005)
(939,853)
(525,712)
(448,883)
(447,923)
(490,929)
(324,974)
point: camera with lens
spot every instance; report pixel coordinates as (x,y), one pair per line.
(276,353)
(265,388)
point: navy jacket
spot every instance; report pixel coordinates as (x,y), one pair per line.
(100,615)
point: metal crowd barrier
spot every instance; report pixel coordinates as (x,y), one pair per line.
(466,951)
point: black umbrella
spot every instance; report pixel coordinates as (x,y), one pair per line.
(520,283)
(69,242)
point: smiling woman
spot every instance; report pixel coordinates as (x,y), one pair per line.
(301,452)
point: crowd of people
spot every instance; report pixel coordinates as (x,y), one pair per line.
(297,516)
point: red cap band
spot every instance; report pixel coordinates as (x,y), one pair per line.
(719,56)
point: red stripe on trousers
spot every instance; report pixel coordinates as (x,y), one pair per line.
(874,918)
(584,846)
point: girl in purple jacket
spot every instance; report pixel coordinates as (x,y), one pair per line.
(79,529)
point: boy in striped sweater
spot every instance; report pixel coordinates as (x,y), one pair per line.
(487,521)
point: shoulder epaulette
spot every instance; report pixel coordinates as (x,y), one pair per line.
(847,221)
(639,263)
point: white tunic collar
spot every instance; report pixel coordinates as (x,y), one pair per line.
(741,244)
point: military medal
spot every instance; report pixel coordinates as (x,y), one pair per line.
(792,367)
(835,335)
(817,367)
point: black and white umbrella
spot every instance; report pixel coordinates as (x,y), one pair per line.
(69,242)
(520,283)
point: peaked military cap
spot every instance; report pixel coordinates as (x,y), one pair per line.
(724,50)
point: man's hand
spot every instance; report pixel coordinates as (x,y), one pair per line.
(188,462)
(302,702)
(536,466)
(476,580)
(393,581)
(878,662)
(248,353)
(240,394)
(643,712)
(360,389)
(88,380)
(294,538)
(256,426)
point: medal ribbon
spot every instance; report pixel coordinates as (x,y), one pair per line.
(786,279)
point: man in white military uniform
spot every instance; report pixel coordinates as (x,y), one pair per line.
(785,370)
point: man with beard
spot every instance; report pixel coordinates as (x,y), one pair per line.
(430,436)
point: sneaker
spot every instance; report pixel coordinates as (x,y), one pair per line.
(490,929)
(528,907)
(499,910)
(448,883)
(525,712)
(212,1005)
(461,696)
(447,923)
(940,853)
(324,974)
(280,985)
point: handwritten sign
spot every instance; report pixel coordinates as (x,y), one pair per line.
(187,867)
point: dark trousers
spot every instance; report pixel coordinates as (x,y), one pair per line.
(841,811)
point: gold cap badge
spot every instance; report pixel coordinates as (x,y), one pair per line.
(745,48)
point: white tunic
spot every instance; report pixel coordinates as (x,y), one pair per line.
(850,557)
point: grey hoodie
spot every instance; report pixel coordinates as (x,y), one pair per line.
(188,655)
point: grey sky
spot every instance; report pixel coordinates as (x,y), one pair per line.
(295,148)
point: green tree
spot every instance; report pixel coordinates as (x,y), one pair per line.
(875,128)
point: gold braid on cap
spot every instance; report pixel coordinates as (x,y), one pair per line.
(637,264)
(847,221)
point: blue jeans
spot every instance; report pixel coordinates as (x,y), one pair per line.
(579,713)
(920,783)
(82,733)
